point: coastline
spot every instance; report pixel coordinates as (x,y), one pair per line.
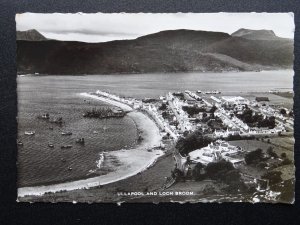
(133,161)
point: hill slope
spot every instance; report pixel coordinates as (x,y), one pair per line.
(30,35)
(255,34)
(166,51)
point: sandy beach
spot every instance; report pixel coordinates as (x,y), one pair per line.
(132,161)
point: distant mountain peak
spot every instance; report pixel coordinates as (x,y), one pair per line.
(185,32)
(255,34)
(30,35)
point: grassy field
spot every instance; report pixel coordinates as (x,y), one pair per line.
(285,94)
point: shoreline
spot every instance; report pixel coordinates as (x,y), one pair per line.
(133,161)
(165,72)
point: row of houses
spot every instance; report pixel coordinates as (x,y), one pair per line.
(181,115)
(160,121)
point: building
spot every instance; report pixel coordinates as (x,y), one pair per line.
(237,100)
(214,152)
(262,99)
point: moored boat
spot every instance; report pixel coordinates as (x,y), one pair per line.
(29,132)
(50,145)
(19,142)
(66,133)
(80,141)
(66,146)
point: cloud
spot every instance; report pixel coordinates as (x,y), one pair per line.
(128,25)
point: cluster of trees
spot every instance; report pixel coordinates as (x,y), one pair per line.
(255,119)
(235,137)
(163,106)
(274,177)
(192,141)
(164,115)
(271,152)
(192,110)
(149,100)
(284,112)
(254,157)
(258,157)
(179,95)
(222,171)
(216,123)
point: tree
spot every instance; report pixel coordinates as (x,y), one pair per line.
(164,115)
(286,161)
(192,110)
(271,153)
(234,137)
(231,176)
(198,172)
(213,109)
(163,106)
(283,111)
(283,155)
(274,177)
(262,165)
(216,170)
(254,156)
(177,174)
(192,141)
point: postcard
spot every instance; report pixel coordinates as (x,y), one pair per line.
(155,107)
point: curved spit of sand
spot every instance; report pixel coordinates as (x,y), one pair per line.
(132,161)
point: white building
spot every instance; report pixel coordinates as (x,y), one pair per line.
(214,152)
(238,100)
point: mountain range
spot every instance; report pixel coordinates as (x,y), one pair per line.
(165,51)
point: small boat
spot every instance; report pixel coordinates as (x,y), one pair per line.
(20,143)
(45,116)
(66,146)
(80,141)
(70,168)
(50,145)
(29,132)
(66,133)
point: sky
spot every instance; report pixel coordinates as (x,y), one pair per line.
(102,27)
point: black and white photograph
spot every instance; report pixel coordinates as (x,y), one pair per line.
(155,107)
